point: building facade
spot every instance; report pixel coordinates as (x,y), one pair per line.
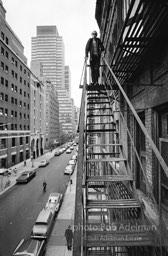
(14,97)
(66,112)
(52,116)
(48,48)
(37,116)
(68,80)
(51,107)
(134,35)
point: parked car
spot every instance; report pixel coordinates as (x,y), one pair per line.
(71,147)
(76,149)
(57,153)
(72,162)
(4,172)
(75,156)
(68,151)
(31,247)
(43,163)
(74,144)
(69,169)
(26,176)
(43,225)
(54,202)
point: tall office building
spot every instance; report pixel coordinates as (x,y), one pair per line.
(68,80)
(48,48)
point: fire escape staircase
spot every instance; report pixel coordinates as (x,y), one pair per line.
(108,207)
(114,216)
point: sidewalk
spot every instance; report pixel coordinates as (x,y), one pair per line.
(21,168)
(56,245)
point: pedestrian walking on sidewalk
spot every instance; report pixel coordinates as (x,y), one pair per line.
(69,237)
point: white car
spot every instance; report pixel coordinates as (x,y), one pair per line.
(71,147)
(68,151)
(43,163)
(69,169)
(54,202)
(75,156)
(72,162)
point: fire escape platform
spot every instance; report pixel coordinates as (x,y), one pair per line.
(121,203)
(108,178)
(113,159)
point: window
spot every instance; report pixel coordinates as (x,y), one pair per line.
(12,87)
(24,104)
(27,106)
(20,127)
(12,126)
(2,80)
(12,100)
(24,71)
(12,113)
(2,35)
(20,68)
(3,143)
(24,82)
(16,63)
(24,94)
(1,96)
(6,83)
(6,69)
(7,40)
(2,51)
(20,115)
(15,113)
(16,76)
(15,126)
(15,88)
(20,91)
(20,79)
(13,61)
(15,101)
(13,73)
(28,85)
(6,97)
(21,140)
(6,55)
(13,142)
(2,65)
(6,112)
(28,96)
(1,111)
(24,116)
(27,139)
(20,103)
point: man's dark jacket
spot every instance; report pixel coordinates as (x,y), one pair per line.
(89,47)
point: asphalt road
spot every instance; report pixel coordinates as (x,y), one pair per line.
(20,206)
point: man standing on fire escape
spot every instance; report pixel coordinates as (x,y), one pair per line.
(95,47)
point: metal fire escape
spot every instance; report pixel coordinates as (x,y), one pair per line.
(109,216)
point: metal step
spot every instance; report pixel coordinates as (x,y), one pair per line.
(92,109)
(98,102)
(113,204)
(103,145)
(102,130)
(91,115)
(101,124)
(113,159)
(97,87)
(109,178)
(96,98)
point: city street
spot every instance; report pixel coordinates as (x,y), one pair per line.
(20,206)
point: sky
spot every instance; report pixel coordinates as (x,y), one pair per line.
(75,20)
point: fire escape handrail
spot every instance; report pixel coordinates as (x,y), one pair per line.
(151,143)
(78,207)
